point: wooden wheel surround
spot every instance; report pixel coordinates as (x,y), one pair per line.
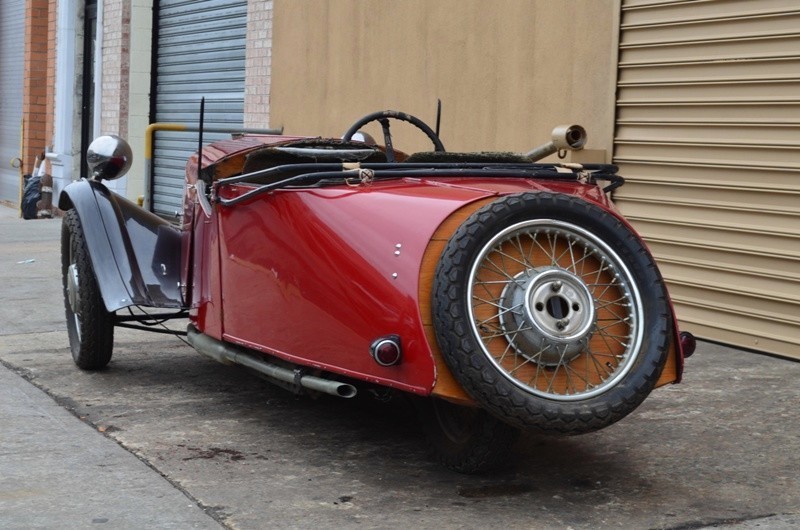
(446,386)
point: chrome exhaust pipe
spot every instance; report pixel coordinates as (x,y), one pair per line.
(564,137)
(229,354)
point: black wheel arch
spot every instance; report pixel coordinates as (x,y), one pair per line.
(120,237)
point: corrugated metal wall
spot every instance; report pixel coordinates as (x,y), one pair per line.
(708,136)
(200,53)
(12,68)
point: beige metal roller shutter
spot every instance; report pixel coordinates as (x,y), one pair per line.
(708,136)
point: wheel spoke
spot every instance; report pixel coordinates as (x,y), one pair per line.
(497,269)
(496,304)
(508,349)
(557,259)
(587,384)
(526,362)
(617,317)
(505,255)
(606,338)
(551,238)
(525,257)
(593,356)
(572,266)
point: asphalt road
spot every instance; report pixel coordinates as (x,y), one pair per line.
(166,438)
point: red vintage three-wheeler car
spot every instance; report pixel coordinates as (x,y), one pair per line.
(499,292)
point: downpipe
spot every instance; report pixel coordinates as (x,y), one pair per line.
(229,354)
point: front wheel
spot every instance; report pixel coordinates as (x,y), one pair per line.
(89,326)
(551,313)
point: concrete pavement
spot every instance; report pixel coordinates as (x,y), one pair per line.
(55,470)
(58,472)
(167,439)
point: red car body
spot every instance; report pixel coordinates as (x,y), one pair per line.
(374,263)
(313,278)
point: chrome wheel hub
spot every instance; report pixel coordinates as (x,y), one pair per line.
(552,316)
(73,295)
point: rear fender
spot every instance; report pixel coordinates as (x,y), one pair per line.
(136,255)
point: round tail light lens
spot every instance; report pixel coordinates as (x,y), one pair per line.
(688,344)
(387,351)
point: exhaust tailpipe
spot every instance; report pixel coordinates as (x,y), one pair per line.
(229,354)
(569,137)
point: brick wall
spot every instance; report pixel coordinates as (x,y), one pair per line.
(258,56)
(116,67)
(39,78)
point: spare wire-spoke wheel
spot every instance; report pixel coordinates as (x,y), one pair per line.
(551,313)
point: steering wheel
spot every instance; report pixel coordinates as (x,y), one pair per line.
(382,116)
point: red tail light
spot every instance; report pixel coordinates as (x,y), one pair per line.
(387,351)
(688,344)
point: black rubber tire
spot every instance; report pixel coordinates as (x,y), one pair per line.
(465,439)
(527,407)
(91,327)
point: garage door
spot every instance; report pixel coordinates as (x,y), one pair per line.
(708,135)
(200,52)
(12,54)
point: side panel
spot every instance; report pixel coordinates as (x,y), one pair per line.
(136,255)
(315,276)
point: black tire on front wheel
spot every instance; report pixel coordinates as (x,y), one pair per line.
(465,439)
(551,313)
(89,326)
